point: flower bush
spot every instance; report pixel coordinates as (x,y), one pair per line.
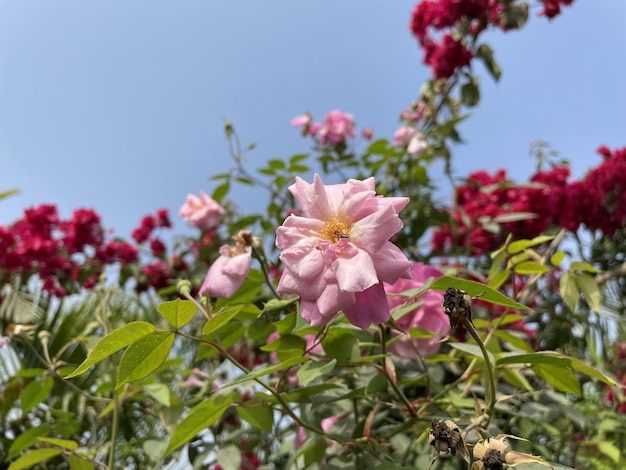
(353,325)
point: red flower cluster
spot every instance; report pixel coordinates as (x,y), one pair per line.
(467,16)
(69,254)
(552,8)
(457,19)
(485,205)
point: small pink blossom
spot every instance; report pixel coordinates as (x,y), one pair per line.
(336,128)
(426,315)
(202,212)
(302,120)
(367,133)
(411,138)
(417,144)
(402,136)
(337,255)
(193,382)
(230,269)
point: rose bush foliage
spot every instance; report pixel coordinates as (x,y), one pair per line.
(354,324)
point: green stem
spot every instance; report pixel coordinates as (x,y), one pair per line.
(392,382)
(491,403)
(265,269)
(114,428)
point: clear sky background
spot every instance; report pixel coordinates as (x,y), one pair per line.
(118,105)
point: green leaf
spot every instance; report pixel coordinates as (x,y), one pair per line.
(516,378)
(476,288)
(420,333)
(178,312)
(275,306)
(79,463)
(568,289)
(64,443)
(220,319)
(277,164)
(520,245)
(473,350)
(515,341)
(229,457)
(580,266)
(498,278)
(544,357)
(221,191)
(113,342)
(560,378)
(200,417)
(530,267)
(556,359)
(314,369)
(261,417)
(287,324)
(557,258)
(610,450)
(160,392)
(285,343)
(470,93)
(312,451)
(590,289)
(341,344)
(27,439)
(10,192)
(485,53)
(270,369)
(144,356)
(591,371)
(34,457)
(35,392)
(515,15)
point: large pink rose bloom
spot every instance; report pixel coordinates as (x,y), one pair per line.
(427,315)
(202,212)
(338,256)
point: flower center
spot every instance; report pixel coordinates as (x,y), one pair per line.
(335,231)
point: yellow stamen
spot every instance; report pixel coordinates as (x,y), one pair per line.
(335,230)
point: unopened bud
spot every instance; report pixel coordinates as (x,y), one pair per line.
(184,287)
(228,128)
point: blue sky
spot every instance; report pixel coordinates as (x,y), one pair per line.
(119,105)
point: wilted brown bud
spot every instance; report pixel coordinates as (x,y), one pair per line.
(457,304)
(493,460)
(445,436)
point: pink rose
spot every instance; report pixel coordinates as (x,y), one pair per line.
(337,255)
(201,212)
(402,136)
(427,314)
(230,269)
(336,128)
(411,138)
